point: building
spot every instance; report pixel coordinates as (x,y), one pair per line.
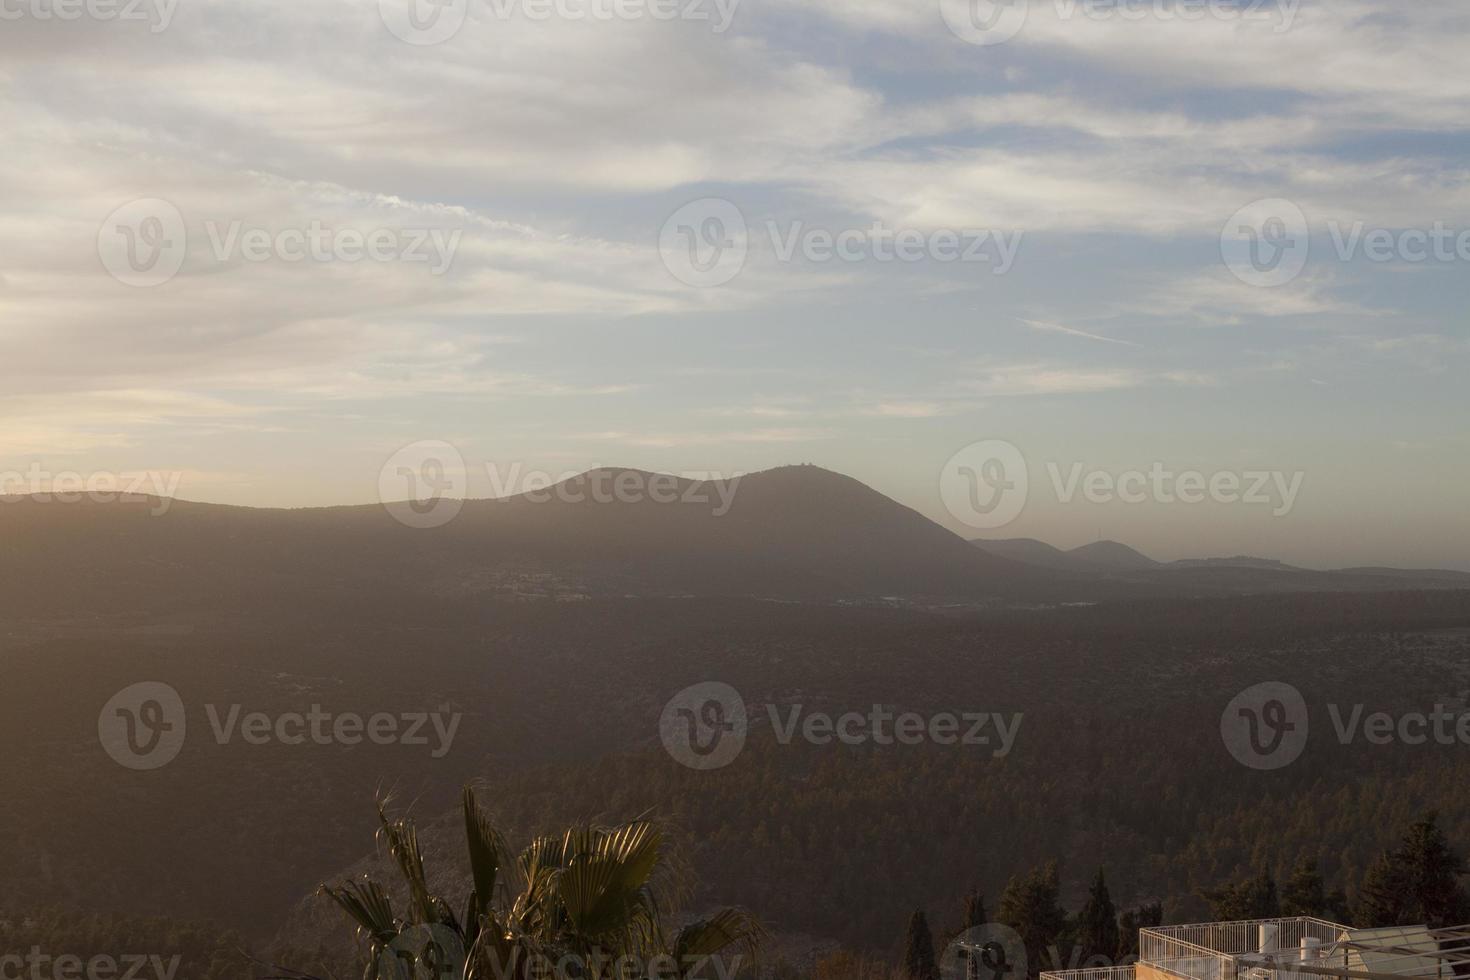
(1299,948)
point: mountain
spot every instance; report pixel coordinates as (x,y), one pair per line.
(1030,551)
(1100,556)
(1236,561)
(796,533)
(1111,554)
(559,624)
(799,533)
(1238,575)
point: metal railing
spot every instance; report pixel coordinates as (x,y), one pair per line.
(1212,950)
(1253,936)
(1183,958)
(1091,973)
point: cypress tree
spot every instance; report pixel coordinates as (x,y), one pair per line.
(1254,898)
(1131,921)
(974,914)
(918,951)
(1031,905)
(1305,893)
(1417,883)
(1097,924)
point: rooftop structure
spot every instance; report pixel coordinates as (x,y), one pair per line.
(1298,948)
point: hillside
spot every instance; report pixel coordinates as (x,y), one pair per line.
(1127,568)
(792,533)
(1118,753)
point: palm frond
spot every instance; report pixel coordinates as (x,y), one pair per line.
(368,905)
(709,937)
(487,850)
(403,846)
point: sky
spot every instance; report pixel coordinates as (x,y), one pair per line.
(262,246)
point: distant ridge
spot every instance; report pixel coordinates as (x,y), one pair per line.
(1236,561)
(1239,574)
(1111,554)
(1089,557)
(795,533)
(1030,551)
(799,533)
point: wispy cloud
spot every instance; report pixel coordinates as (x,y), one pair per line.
(1045,326)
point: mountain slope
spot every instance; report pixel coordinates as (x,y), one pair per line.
(1122,565)
(1111,554)
(1030,551)
(799,533)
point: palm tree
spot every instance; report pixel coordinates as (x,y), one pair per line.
(587,902)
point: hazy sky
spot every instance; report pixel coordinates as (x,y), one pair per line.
(545,147)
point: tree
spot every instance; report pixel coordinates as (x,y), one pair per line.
(1130,922)
(1418,883)
(1305,893)
(1031,906)
(1253,898)
(1097,924)
(918,950)
(973,916)
(588,896)
(974,913)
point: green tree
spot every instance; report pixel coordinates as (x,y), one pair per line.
(1130,922)
(1031,905)
(1418,883)
(1253,898)
(588,896)
(974,913)
(973,916)
(1305,893)
(1097,924)
(918,950)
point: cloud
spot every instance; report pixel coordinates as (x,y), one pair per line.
(1217,298)
(1045,326)
(1045,379)
(555,150)
(676,440)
